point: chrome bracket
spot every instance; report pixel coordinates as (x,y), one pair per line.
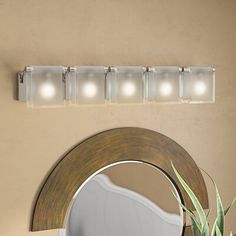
(21,87)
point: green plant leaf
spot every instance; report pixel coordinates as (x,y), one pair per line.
(204,231)
(220,212)
(196,224)
(227,209)
(196,203)
(213,232)
(196,229)
(208,213)
(218,232)
(220,209)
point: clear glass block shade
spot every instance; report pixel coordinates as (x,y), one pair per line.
(126,85)
(163,84)
(45,86)
(199,84)
(86,85)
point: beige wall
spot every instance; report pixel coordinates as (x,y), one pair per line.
(92,32)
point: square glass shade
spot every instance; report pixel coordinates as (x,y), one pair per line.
(163,84)
(86,84)
(126,84)
(45,86)
(199,84)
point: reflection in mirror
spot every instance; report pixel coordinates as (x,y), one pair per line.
(126,199)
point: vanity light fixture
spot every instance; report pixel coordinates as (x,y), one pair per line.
(199,84)
(163,84)
(125,84)
(47,86)
(86,84)
(42,86)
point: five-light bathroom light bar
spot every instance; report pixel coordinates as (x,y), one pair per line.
(43,86)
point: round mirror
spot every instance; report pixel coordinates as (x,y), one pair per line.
(126,199)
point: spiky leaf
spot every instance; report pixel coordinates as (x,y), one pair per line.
(196,224)
(196,203)
(195,228)
(213,232)
(227,209)
(218,232)
(220,209)
(204,231)
(220,212)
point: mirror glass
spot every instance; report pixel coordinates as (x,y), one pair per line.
(126,199)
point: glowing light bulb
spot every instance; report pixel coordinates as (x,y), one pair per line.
(199,88)
(128,89)
(90,90)
(166,89)
(47,90)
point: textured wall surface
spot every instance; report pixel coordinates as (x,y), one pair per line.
(109,32)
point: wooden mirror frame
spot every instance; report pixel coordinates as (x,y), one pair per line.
(106,148)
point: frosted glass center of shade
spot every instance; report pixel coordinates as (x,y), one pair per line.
(89,90)
(199,88)
(128,89)
(166,89)
(47,90)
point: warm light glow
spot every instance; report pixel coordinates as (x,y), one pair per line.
(47,90)
(128,89)
(199,88)
(90,90)
(166,89)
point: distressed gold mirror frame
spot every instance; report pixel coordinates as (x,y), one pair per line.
(106,148)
